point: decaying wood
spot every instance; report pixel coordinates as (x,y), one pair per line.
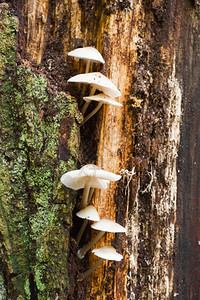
(37,13)
(152,133)
(142,43)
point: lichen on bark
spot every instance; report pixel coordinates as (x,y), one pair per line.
(35,209)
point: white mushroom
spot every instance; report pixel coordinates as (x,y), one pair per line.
(89,176)
(101,99)
(104,225)
(105,252)
(98,81)
(87,213)
(90,54)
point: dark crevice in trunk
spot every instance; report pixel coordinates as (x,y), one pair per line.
(33,288)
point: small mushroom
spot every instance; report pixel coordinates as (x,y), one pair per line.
(87,213)
(89,176)
(90,54)
(104,225)
(101,99)
(105,252)
(98,81)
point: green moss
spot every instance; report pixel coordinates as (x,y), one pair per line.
(2,288)
(20,298)
(38,280)
(27,289)
(34,205)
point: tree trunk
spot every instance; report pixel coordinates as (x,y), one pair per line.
(151,52)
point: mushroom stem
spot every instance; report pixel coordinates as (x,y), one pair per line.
(90,194)
(84,200)
(87,66)
(93,112)
(89,271)
(79,235)
(82,251)
(86,71)
(93,90)
(85,106)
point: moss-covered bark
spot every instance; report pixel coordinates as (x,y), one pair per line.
(35,209)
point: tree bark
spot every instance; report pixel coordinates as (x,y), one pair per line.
(151,53)
(39,142)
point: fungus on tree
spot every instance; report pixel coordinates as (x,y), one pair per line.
(105,252)
(98,82)
(87,213)
(101,99)
(90,54)
(89,176)
(104,225)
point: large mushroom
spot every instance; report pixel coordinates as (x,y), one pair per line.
(90,54)
(87,213)
(104,225)
(98,81)
(105,252)
(89,176)
(101,99)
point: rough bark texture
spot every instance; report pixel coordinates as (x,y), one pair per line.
(187,284)
(151,52)
(39,142)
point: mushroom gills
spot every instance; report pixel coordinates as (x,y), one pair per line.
(101,99)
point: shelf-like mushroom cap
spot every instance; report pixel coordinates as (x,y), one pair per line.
(108,226)
(89,213)
(99,81)
(95,176)
(107,252)
(102,98)
(87,53)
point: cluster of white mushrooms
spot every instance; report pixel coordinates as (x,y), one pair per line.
(97,80)
(91,176)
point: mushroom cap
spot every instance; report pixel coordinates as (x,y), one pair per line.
(76,181)
(89,213)
(98,80)
(107,252)
(95,171)
(87,53)
(102,98)
(108,226)
(95,176)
